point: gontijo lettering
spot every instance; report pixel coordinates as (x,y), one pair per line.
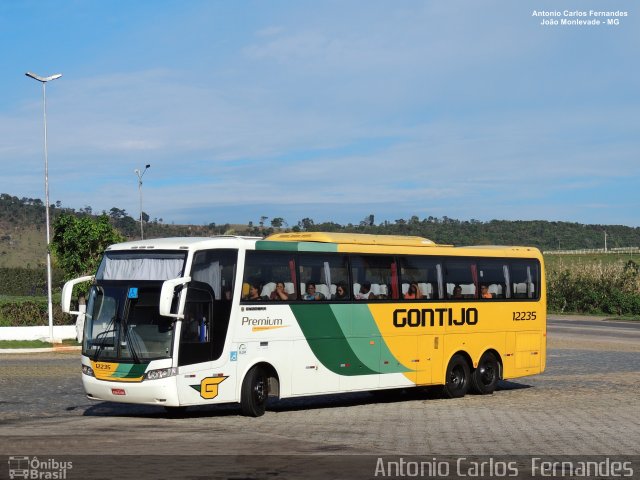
(416,317)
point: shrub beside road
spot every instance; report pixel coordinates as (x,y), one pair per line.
(594,287)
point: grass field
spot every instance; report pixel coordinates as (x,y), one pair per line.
(56,297)
(568,261)
(34,343)
(25,247)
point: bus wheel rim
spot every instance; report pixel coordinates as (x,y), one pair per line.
(260,390)
(487,374)
(457,377)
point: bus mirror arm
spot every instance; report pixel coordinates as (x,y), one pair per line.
(67,290)
(166,297)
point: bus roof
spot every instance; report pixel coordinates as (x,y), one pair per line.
(176,243)
(351,238)
(358,242)
(322,242)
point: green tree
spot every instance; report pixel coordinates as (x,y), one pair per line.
(78,242)
(277,222)
(116,213)
(306,224)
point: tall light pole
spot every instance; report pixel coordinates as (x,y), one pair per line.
(43,81)
(137,172)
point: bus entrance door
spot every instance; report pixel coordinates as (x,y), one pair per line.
(204,372)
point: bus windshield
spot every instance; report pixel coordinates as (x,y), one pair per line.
(123,323)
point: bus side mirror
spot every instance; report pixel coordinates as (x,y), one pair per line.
(166,297)
(67,290)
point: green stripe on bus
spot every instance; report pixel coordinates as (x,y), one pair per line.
(327,340)
(317,247)
(268,245)
(130,370)
(296,246)
(361,328)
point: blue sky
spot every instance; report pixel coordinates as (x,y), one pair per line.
(331,110)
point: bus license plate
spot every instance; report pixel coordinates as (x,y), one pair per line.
(118,391)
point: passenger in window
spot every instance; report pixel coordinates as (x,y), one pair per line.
(341,292)
(365,292)
(311,293)
(484,292)
(279,294)
(457,292)
(254,293)
(414,292)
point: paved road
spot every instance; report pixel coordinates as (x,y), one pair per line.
(627,331)
(586,403)
(554,323)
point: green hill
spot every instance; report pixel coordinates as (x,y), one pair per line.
(22,226)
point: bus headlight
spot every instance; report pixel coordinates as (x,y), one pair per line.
(162,373)
(86,370)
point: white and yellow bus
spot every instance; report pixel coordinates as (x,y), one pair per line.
(187,321)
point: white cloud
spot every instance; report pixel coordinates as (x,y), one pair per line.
(417,107)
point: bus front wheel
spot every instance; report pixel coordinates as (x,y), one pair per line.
(485,378)
(457,377)
(255,390)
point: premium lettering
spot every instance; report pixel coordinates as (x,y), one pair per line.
(261,322)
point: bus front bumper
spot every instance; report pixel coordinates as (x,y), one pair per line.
(162,392)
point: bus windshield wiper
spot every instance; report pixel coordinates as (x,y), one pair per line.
(102,343)
(130,343)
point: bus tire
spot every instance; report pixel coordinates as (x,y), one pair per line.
(485,377)
(254,393)
(457,377)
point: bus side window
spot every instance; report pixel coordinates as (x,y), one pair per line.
(326,271)
(265,270)
(375,277)
(217,269)
(461,276)
(525,275)
(492,274)
(425,272)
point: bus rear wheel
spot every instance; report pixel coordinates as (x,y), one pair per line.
(457,377)
(254,393)
(485,378)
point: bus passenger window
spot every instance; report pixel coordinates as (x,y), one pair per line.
(492,277)
(424,273)
(271,275)
(525,277)
(461,273)
(323,272)
(375,277)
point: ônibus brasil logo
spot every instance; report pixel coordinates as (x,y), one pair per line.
(34,468)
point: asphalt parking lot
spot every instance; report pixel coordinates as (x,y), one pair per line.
(586,403)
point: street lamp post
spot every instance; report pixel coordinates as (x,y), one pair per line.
(137,172)
(43,81)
